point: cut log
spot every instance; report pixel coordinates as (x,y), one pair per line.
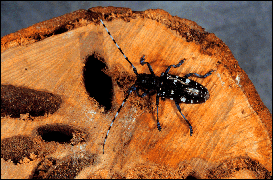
(63,80)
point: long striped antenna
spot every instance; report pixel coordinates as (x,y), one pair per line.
(135,70)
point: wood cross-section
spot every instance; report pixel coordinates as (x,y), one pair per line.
(232,130)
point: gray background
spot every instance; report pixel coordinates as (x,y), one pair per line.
(246,27)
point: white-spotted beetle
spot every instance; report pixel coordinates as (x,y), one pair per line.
(179,89)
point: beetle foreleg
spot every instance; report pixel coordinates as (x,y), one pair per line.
(148,64)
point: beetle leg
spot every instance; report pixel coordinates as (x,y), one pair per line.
(148,64)
(179,109)
(157,103)
(198,75)
(175,66)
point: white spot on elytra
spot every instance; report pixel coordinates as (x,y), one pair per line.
(172,92)
(187,81)
(171,98)
(183,99)
(191,101)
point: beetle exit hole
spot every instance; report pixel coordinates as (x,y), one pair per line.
(98,84)
(63,134)
(66,168)
(19,149)
(21,100)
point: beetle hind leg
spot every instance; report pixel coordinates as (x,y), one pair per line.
(179,109)
(157,103)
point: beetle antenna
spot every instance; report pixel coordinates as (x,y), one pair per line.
(134,69)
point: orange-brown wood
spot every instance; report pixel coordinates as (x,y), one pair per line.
(232,131)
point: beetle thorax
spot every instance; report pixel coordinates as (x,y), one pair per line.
(147,82)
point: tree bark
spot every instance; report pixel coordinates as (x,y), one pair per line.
(53,123)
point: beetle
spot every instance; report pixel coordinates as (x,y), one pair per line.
(178,89)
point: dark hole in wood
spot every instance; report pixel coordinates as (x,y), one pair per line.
(17,148)
(98,84)
(22,100)
(190,177)
(63,134)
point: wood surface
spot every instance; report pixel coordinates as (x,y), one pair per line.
(44,82)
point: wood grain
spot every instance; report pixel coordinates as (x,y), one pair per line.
(232,131)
